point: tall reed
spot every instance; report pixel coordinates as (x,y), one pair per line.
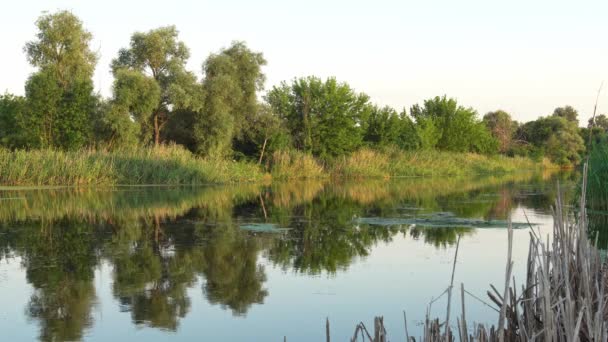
(170,164)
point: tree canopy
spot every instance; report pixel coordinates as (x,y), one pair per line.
(326,118)
(156,55)
(59,94)
(445,125)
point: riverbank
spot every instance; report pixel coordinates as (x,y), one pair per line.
(173,165)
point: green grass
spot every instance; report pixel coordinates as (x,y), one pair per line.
(293,164)
(395,163)
(171,165)
(597,186)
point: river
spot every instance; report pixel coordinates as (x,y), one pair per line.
(259,262)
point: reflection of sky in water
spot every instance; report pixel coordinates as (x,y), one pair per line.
(403,274)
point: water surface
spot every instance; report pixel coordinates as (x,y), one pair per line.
(256,262)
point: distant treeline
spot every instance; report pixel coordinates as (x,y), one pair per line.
(156,100)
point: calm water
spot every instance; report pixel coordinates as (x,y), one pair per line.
(252,262)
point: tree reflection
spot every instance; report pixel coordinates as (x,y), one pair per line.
(161,243)
(59,258)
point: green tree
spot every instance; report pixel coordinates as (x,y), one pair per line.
(264,134)
(156,54)
(12,109)
(554,136)
(386,127)
(566,112)
(135,97)
(326,118)
(445,125)
(59,95)
(502,128)
(232,79)
(601,121)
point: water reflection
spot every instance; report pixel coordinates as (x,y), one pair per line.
(163,242)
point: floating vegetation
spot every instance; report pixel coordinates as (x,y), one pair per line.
(263,228)
(439,220)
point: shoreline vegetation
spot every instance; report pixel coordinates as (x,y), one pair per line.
(231,128)
(174,165)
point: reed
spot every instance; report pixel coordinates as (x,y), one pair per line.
(293,164)
(597,191)
(397,163)
(169,164)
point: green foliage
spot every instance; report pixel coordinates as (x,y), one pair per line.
(232,79)
(264,134)
(59,95)
(386,127)
(445,125)
(567,112)
(325,118)
(554,136)
(114,128)
(12,109)
(157,53)
(601,121)
(62,48)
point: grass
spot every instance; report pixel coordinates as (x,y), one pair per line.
(171,165)
(293,164)
(395,163)
(597,191)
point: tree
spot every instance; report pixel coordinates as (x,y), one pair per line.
(325,118)
(567,113)
(502,128)
(232,79)
(12,109)
(265,132)
(157,54)
(135,97)
(556,137)
(601,121)
(445,125)
(59,95)
(386,127)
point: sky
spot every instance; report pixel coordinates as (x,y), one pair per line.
(525,57)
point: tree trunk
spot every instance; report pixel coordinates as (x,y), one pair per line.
(156,131)
(262,153)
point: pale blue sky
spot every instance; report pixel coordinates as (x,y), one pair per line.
(526,57)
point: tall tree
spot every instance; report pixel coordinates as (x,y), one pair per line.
(159,55)
(59,95)
(556,137)
(566,112)
(386,127)
(232,79)
(451,127)
(502,128)
(326,118)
